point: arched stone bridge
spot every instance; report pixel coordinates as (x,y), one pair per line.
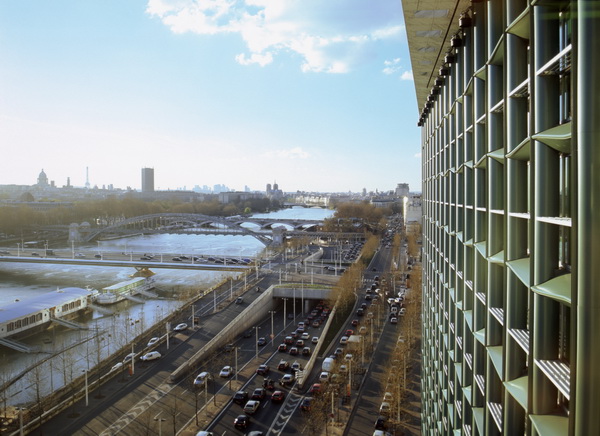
(180,222)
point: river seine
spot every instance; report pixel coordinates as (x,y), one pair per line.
(19,282)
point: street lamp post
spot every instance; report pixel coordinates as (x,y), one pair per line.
(160,421)
(85,372)
(21,433)
(256,328)
(272,312)
(284,311)
(362,346)
(168,328)
(302,297)
(294,305)
(236,364)
(350,381)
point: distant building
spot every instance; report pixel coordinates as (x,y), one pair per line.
(402,190)
(274,193)
(42,180)
(147,180)
(231,197)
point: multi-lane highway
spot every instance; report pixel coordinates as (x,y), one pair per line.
(147,403)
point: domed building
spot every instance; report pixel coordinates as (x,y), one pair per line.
(42,180)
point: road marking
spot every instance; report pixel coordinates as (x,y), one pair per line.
(138,409)
(285,414)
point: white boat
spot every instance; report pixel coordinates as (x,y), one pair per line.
(120,291)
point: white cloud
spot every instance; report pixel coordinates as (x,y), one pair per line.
(407,75)
(332,36)
(391,67)
(291,153)
(254,58)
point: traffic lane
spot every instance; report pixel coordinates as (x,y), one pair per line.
(366,410)
(272,360)
(268,411)
(182,346)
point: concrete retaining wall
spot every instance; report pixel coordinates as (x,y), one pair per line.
(250,317)
(315,355)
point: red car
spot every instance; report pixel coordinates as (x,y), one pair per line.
(278,397)
(315,389)
(354,322)
(349,332)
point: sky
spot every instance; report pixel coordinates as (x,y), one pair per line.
(313,95)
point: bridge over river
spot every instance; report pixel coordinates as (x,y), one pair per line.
(124,260)
(188,223)
(259,228)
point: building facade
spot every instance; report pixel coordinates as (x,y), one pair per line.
(510,141)
(147,180)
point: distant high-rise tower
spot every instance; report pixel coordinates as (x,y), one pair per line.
(147,179)
(268,188)
(87,178)
(402,190)
(275,186)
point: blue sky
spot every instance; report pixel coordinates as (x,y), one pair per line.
(314,95)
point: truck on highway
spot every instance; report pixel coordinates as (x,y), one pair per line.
(327,364)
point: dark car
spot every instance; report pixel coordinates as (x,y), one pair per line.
(305,404)
(263,370)
(262,342)
(241,422)
(240,397)
(360,312)
(269,383)
(282,347)
(259,394)
(354,322)
(380,423)
(293,351)
(283,365)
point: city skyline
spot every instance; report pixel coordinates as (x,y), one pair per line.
(319,97)
(43,181)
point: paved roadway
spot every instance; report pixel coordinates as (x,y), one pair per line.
(146,404)
(120,259)
(127,405)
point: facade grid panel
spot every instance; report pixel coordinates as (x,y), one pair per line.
(510,139)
